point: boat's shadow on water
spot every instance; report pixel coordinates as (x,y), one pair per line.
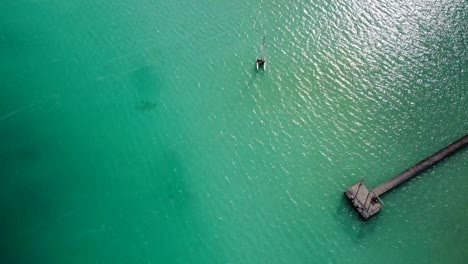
(352,224)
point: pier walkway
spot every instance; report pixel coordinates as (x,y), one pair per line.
(367,201)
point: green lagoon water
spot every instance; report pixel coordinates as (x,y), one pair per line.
(140,132)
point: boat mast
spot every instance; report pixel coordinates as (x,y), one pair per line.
(263,49)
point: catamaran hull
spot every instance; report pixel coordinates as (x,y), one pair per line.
(263,66)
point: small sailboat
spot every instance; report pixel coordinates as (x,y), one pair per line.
(261,62)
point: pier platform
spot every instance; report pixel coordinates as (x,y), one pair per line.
(364,199)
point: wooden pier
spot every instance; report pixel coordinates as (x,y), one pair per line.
(367,201)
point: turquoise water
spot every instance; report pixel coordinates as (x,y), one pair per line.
(140,132)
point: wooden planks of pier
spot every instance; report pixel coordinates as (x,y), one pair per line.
(364,199)
(367,201)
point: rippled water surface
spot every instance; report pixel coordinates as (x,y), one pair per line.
(140,131)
